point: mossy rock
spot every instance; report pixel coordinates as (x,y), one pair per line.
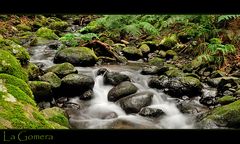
(46,33)
(10,65)
(19,111)
(226,100)
(162,54)
(42,91)
(58,25)
(153,45)
(18,51)
(171,54)
(225,116)
(61,70)
(9,79)
(156,61)
(33,71)
(78,56)
(23,27)
(144,48)
(52,78)
(191,82)
(132,53)
(168,42)
(174,72)
(57,115)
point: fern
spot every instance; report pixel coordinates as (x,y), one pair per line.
(227,17)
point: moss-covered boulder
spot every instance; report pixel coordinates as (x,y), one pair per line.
(226,100)
(171,54)
(42,91)
(10,65)
(168,42)
(174,72)
(15,49)
(225,116)
(46,33)
(78,56)
(57,115)
(132,53)
(162,54)
(52,78)
(76,84)
(63,69)
(9,79)
(23,27)
(145,49)
(156,61)
(58,25)
(33,71)
(19,111)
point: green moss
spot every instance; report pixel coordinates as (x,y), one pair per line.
(52,78)
(169,42)
(226,100)
(10,65)
(33,71)
(18,51)
(162,54)
(19,94)
(132,51)
(23,27)
(63,69)
(174,72)
(9,79)
(144,48)
(42,91)
(56,115)
(46,33)
(58,25)
(156,61)
(189,80)
(228,115)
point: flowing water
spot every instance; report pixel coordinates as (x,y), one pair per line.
(99,113)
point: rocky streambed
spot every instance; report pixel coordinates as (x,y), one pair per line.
(132,95)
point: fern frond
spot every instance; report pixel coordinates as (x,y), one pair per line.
(227,17)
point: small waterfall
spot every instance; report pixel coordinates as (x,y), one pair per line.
(100,113)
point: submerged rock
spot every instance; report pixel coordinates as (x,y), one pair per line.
(151,112)
(102,71)
(87,95)
(122,90)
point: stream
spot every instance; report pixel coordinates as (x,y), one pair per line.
(99,113)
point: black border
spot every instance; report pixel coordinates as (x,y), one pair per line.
(124,136)
(120,6)
(124,7)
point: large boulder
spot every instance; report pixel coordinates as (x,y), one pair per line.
(61,70)
(19,111)
(132,53)
(225,116)
(76,84)
(42,91)
(122,90)
(114,78)
(177,87)
(78,56)
(134,103)
(10,65)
